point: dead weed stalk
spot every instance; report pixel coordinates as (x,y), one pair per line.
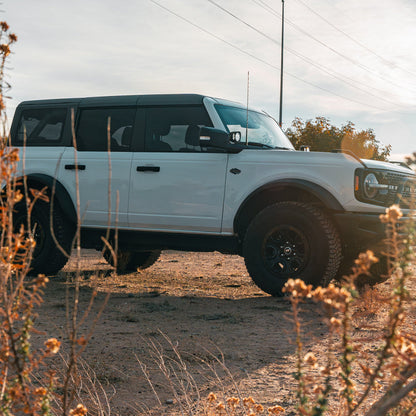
(28,383)
(388,376)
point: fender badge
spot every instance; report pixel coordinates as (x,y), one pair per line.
(235,171)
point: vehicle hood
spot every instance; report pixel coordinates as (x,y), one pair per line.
(305,159)
(377,164)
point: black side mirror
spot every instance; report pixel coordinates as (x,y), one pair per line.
(210,137)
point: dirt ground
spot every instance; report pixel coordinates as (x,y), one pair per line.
(197,314)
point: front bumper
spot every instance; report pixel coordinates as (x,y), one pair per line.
(360,230)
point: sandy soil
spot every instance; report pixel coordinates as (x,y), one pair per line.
(201,313)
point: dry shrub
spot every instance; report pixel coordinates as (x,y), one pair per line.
(168,372)
(28,382)
(233,406)
(386,376)
(19,294)
(372,373)
(368,305)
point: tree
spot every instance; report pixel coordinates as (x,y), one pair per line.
(411,160)
(321,136)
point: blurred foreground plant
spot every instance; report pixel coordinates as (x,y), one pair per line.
(18,294)
(28,385)
(387,380)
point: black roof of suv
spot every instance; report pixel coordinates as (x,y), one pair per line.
(149,99)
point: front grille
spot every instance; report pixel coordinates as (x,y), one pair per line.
(401,190)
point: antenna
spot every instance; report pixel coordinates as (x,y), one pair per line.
(281,65)
(248,92)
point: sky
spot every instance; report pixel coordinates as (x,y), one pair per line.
(344,60)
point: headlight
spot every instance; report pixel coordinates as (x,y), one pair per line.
(384,187)
(370,186)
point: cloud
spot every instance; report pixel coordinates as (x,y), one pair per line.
(100,47)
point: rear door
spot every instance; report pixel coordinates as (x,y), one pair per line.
(175,184)
(103,177)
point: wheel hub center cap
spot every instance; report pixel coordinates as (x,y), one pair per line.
(287,251)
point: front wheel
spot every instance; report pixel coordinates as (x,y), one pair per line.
(130,261)
(291,240)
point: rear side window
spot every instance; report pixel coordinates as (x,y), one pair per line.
(175,129)
(92,132)
(41,127)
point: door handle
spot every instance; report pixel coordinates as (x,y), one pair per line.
(148,169)
(74,167)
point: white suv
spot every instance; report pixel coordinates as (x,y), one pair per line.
(198,173)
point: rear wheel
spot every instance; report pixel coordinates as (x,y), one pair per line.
(47,258)
(291,240)
(130,261)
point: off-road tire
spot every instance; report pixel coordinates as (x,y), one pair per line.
(291,240)
(130,261)
(47,258)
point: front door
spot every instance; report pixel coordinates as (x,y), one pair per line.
(103,177)
(175,184)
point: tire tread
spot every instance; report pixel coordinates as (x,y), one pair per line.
(330,231)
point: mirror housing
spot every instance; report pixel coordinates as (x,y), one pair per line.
(210,137)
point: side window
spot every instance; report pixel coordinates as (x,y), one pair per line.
(41,126)
(175,129)
(92,133)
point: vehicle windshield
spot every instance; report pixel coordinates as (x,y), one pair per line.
(262,130)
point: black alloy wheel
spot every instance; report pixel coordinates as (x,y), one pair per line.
(291,240)
(286,251)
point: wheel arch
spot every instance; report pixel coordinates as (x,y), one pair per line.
(283,190)
(55,190)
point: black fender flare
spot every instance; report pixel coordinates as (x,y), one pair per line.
(320,193)
(57,192)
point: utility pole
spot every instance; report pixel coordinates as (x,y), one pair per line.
(281,64)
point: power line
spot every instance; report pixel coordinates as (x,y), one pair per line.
(260,59)
(346,34)
(273,11)
(306,59)
(382,58)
